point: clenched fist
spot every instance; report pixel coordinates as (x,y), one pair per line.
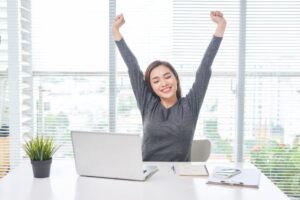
(218,18)
(119,21)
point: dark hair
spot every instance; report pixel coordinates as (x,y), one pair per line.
(157,63)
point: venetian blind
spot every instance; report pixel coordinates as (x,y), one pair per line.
(272,102)
(193,30)
(4,136)
(15,82)
(70,63)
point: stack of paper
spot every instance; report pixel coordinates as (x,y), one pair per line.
(247,178)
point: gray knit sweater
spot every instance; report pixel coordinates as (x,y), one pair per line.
(168,132)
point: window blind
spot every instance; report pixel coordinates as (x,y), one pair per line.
(16,116)
(70,63)
(193,30)
(71,37)
(272,91)
(70,102)
(4,137)
(3,34)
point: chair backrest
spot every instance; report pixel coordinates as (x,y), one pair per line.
(200,150)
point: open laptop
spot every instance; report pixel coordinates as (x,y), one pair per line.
(110,155)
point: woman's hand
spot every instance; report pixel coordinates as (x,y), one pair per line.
(218,18)
(119,21)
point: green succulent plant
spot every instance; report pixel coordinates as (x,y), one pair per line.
(40,148)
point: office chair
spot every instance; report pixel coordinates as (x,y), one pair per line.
(200,150)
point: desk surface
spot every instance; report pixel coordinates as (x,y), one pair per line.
(65,184)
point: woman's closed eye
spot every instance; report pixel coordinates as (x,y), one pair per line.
(155,80)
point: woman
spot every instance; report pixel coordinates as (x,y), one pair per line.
(169,120)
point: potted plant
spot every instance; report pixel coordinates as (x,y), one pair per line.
(40,150)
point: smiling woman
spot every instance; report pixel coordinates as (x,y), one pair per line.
(169,121)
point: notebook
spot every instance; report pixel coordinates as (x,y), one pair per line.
(191,169)
(110,155)
(246,177)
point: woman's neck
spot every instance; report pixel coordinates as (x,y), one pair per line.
(167,103)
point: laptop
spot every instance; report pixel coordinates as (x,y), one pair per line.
(110,155)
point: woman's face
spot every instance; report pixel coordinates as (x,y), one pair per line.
(163,82)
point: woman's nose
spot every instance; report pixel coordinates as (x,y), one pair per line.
(163,83)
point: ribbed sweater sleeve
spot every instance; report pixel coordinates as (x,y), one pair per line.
(197,93)
(139,86)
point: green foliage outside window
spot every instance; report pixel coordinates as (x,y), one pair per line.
(280,163)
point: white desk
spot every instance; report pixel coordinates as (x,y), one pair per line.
(65,184)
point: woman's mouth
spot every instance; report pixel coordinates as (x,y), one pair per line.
(166,90)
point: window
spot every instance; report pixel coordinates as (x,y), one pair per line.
(272,96)
(71,37)
(70,63)
(192,32)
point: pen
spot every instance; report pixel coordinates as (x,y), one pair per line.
(224,175)
(228,173)
(173,169)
